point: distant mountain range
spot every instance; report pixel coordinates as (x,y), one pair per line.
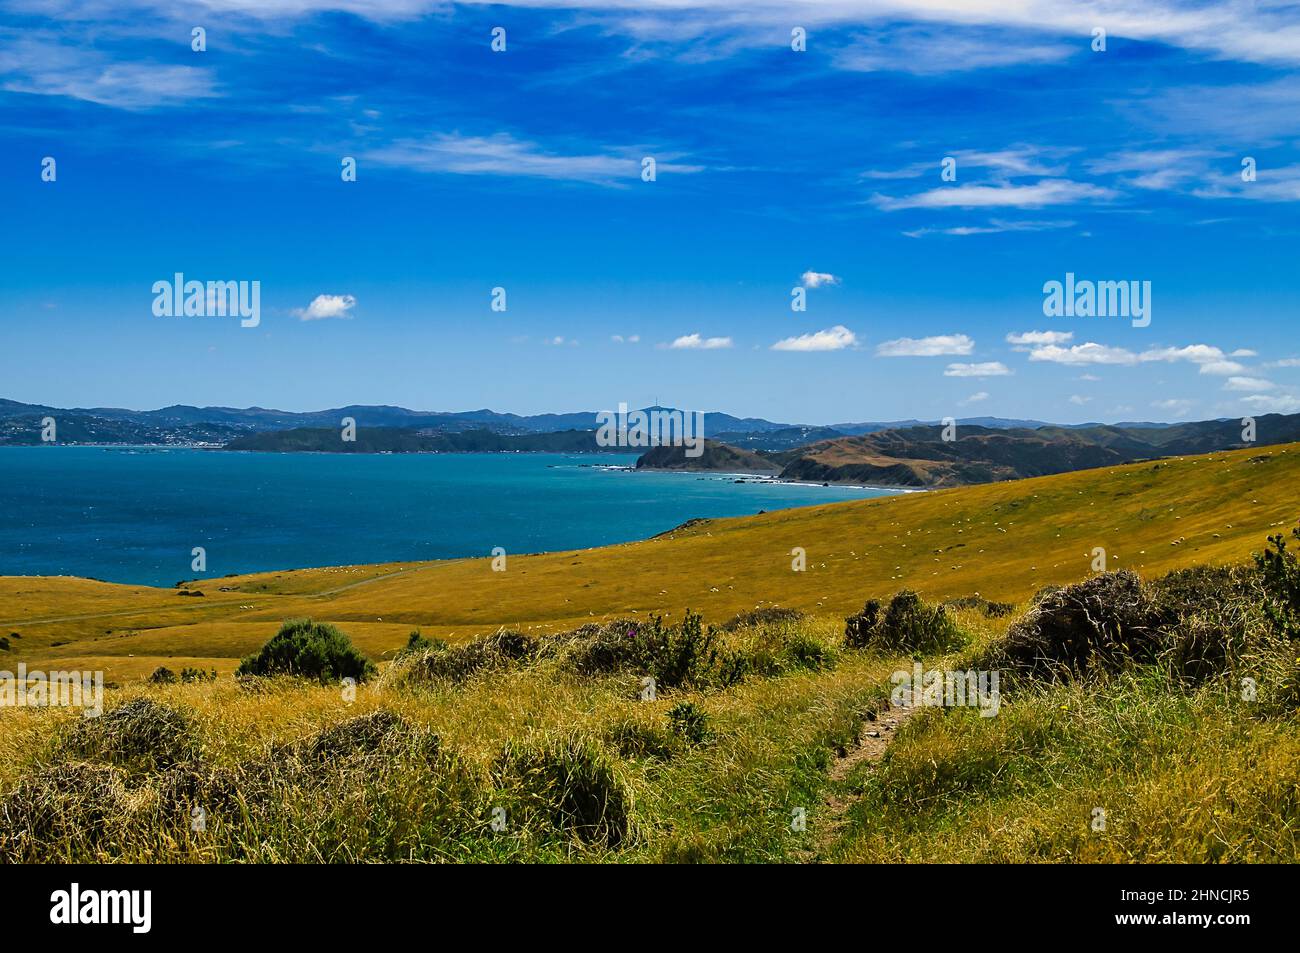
(182,424)
(896,453)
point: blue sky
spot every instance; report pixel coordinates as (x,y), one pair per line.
(776,169)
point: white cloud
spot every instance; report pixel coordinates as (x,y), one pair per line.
(1044,192)
(1222,368)
(38,64)
(1088,377)
(1089,353)
(630,339)
(1197,353)
(1079,399)
(503,154)
(1285,362)
(327,306)
(975,398)
(815,279)
(927,50)
(987,369)
(996,226)
(940,345)
(1027,339)
(694,342)
(832,339)
(1273,404)
(1248,384)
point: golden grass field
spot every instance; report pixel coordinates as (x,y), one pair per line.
(1004,541)
(1185,769)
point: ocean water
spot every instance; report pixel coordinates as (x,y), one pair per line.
(135,515)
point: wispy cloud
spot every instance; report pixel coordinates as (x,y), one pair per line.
(1026,339)
(994,227)
(986,369)
(938,346)
(1248,384)
(43,66)
(503,154)
(934,49)
(1273,404)
(1037,195)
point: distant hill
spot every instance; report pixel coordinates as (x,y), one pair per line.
(716,457)
(406,440)
(919,457)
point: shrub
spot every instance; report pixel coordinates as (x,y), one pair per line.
(858,629)
(908,624)
(672,655)
(569,784)
(162,675)
(456,663)
(417,644)
(803,651)
(309,649)
(688,721)
(1280,572)
(140,735)
(198,675)
(1101,624)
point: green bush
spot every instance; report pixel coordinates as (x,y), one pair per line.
(687,720)
(162,675)
(309,649)
(673,656)
(416,644)
(1280,572)
(908,624)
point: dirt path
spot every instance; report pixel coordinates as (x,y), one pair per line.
(874,739)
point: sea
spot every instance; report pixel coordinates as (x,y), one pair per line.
(136,514)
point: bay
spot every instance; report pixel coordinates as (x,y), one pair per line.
(134,515)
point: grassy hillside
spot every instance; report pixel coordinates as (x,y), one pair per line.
(715,456)
(1001,540)
(771,736)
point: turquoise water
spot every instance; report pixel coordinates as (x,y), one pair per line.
(134,515)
